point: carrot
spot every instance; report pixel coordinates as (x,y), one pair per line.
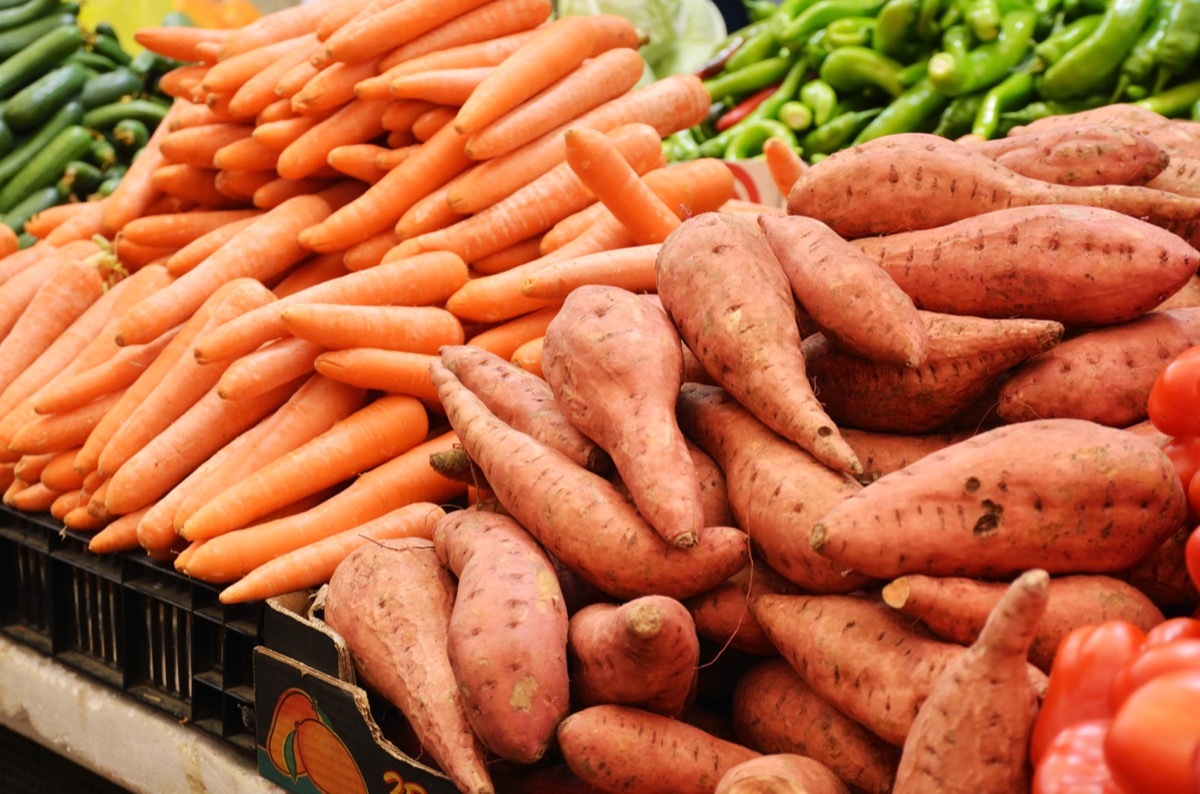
(428,123)
(47,220)
(507,258)
(189,182)
(341,13)
(191,115)
(486,52)
(595,81)
(414,329)
(120,535)
(289,84)
(135,191)
(571,227)
(240,185)
(19,289)
(310,272)
(278,135)
(85,224)
(515,463)
(267,246)
(400,115)
(64,430)
(784,164)
(374,35)
(274,364)
(429,214)
(528,356)
(436,162)
(202,247)
(230,73)
(59,472)
(356,122)
(133,256)
(112,375)
(331,87)
(443,86)
(370,252)
(64,503)
(315,563)
(19,261)
(277,191)
(490,21)
(357,160)
(177,43)
(630,268)
(391,371)
(183,82)
(503,340)
(258,91)
(28,468)
(668,105)
(180,229)
(246,154)
(405,479)
(284,23)
(417,281)
(33,498)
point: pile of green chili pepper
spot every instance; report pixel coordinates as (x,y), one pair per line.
(828,74)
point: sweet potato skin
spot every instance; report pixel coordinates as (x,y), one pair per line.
(967,356)
(776,489)
(624,749)
(1081,266)
(1182,176)
(775,711)
(614,363)
(956,609)
(507,638)
(641,653)
(780,774)
(884,453)
(1079,154)
(726,293)
(723,614)
(1066,495)
(1126,358)
(391,601)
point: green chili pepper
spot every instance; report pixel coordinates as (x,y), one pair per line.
(821,98)
(850,32)
(1010,92)
(796,115)
(852,69)
(1090,63)
(1044,108)
(894,25)
(930,18)
(1074,8)
(1195,114)
(756,48)
(1181,42)
(909,112)
(983,18)
(988,63)
(958,41)
(747,79)
(817,48)
(681,145)
(822,12)
(790,9)
(1046,8)
(913,73)
(1138,66)
(769,108)
(750,139)
(758,10)
(959,115)
(1050,49)
(838,132)
(1175,102)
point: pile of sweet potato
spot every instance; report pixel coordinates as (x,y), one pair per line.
(815,515)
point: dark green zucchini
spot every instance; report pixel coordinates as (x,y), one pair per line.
(14,40)
(37,101)
(37,58)
(105,117)
(30,205)
(67,115)
(103,89)
(46,167)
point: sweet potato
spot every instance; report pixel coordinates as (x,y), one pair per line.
(1163,575)
(1177,137)
(723,614)
(1186,297)
(1092,266)
(861,656)
(733,306)
(916,180)
(641,653)
(507,638)
(614,364)
(524,401)
(625,749)
(1078,154)
(884,453)
(774,711)
(580,517)
(714,493)
(777,491)
(1182,176)
(853,302)
(785,773)
(956,609)
(1126,358)
(985,701)
(1066,495)
(391,602)
(967,356)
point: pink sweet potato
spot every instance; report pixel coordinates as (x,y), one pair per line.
(1186,297)
(391,602)
(614,363)
(777,491)
(1078,154)
(853,302)
(967,357)
(641,653)
(956,609)
(507,638)
(784,773)
(884,453)
(985,701)
(1126,358)
(1066,495)
(625,749)
(728,296)
(723,614)
(919,181)
(774,711)
(1176,136)
(1081,266)
(1182,176)
(580,517)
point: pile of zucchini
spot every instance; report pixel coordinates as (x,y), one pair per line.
(75,107)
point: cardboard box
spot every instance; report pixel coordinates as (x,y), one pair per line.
(317,730)
(752,182)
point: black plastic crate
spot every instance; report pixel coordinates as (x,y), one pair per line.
(131,622)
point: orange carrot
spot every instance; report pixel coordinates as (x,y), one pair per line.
(62,431)
(374,35)
(331,87)
(339,15)
(443,86)
(263,249)
(280,190)
(65,503)
(231,73)
(429,214)
(47,221)
(177,43)
(107,377)
(190,182)
(312,271)
(630,268)
(203,246)
(403,480)
(783,162)
(59,472)
(274,364)
(415,329)
(84,225)
(278,135)
(132,256)
(257,92)
(120,535)
(29,467)
(504,339)
(421,280)
(571,227)
(369,252)
(246,154)
(33,498)
(507,258)
(17,262)
(366,438)
(289,85)
(487,52)
(358,122)
(392,371)
(190,115)
(497,19)
(669,105)
(19,289)
(182,82)
(240,185)
(278,110)
(597,80)
(529,356)
(357,160)
(428,123)
(401,114)
(135,192)
(314,564)
(285,23)
(179,229)
(546,200)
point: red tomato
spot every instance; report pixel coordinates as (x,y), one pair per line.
(1075,763)
(1183,654)
(1152,742)
(1176,394)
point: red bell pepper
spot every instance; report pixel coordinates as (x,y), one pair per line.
(743,108)
(1153,661)
(1151,745)
(1075,762)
